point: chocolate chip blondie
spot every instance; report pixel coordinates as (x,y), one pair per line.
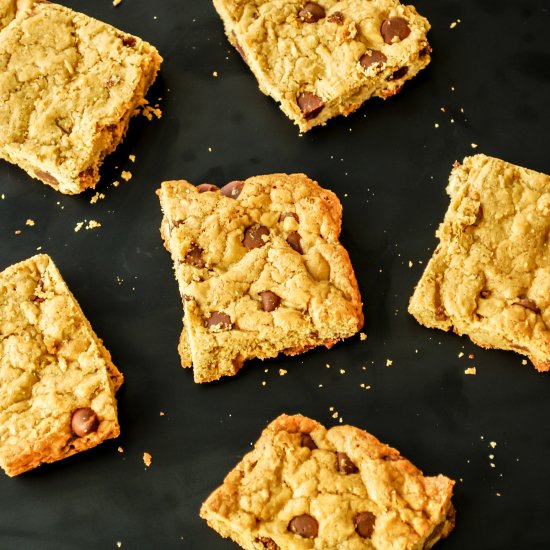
(326,58)
(69,85)
(58,383)
(489,277)
(303,486)
(260,269)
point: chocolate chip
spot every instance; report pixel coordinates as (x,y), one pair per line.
(310,104)
(270,300)
(294,240)
(308,442)
(375,57)
(400,73)
(485,293)
(84,421)
(45,177)
(204,187)
(289,215)
(528,304)
(336,17)
(394,27)
(267,543)
(364,524)
(129,41)
(232,189)
(194,256)
(311,12)
(253,236)
(345,465)
(219,319)
(305,525)
(426,50)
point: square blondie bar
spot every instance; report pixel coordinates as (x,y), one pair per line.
(489,277)
(303,486)
(260,269)
(69,85)
(57,380)
(326,58)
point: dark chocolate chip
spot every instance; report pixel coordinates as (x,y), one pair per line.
(232,189)
(84,421)
(294,240)
(46,177)
(305,525)
(310,104)
(194,256)
(267,543)
(308,442)
(394,27)
(485,293)
(372,57)
(253,236)
(289,215)
(528,304)
(311,12)
(270,300)
(400,73)
(219,319)
(345,465)
(204,187)
(426,50)
(336,17)
(364,524)
(129,41)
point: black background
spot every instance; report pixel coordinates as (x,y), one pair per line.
(488,84)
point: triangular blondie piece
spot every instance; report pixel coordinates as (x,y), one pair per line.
(260,269)
(303,486)
(57,380)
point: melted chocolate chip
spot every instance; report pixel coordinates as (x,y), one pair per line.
(232,189)
(372,57)
(527,303)
(84,421)
(394,27)
(270,300)
(345,465)
(400,73)
(305,525)
(204,187)
(336,17)
(194,256)
(364,524)
(294,240)
(253,236)
(220,320)
(308,442)
(310,104)
(288,215)
(267,543)
(311,12)
(46,177)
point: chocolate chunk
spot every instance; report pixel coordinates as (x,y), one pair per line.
(203,187)
(310,104)
(129,41)
(219,319)
(305,525)
(232,189)
(372,57)
(84,421)
(311,12)
(45,177)
(528,304)
(426,50)
(268,544)
(364,524)
(336,17)
(345,465)
(394,27)
(194,256)
(294,240)
(289,215)
(253,236)
(270,300)
(308,442)
(400,73)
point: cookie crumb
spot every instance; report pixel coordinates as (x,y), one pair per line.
(116,3)
(215,74)
(78,226)
(119,543)
(132,158)
(461,355)
(473,145)
(125,175)
(29,222)
(389,362)
(147,459)
(362,336)
(97,197)
(493,444)
(282,372)
(161,413)
(471,370)
(93,224)
(120,450)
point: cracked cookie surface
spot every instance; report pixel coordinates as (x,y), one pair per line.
(57,380)
(322,59)
(489,277)
(260,269)
(69,85)
(303,486)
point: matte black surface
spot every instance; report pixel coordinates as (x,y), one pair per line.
(488,84)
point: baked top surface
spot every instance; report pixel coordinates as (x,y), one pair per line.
(489,277)
(331,479)
(260,268)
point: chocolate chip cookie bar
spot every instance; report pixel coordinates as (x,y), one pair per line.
(489,277)
(303,486)
(69,85)
(58,383)
(260,269)
(322,59)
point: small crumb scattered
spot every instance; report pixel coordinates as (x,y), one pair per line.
(93,224)
(362,336)
(161,413)
(410,263)
(264,383)
(125,175)
(524,362)
(461,355)
(116,3)
(96,197)
(132,158)
(3,196)
(493,444)
(116,183)
(327,366)
(471,356)
(471,370)
(436,125)
(148,112)
(215,74)
(120,450)
(119,543)
(147,459)
(473,145)
(454,24)
(29,222)
(389,362)
(78,226)
(498,494)
(342,371)
(282,372)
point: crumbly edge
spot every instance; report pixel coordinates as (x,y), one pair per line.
(214,508)
(106,138)
(52,449)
